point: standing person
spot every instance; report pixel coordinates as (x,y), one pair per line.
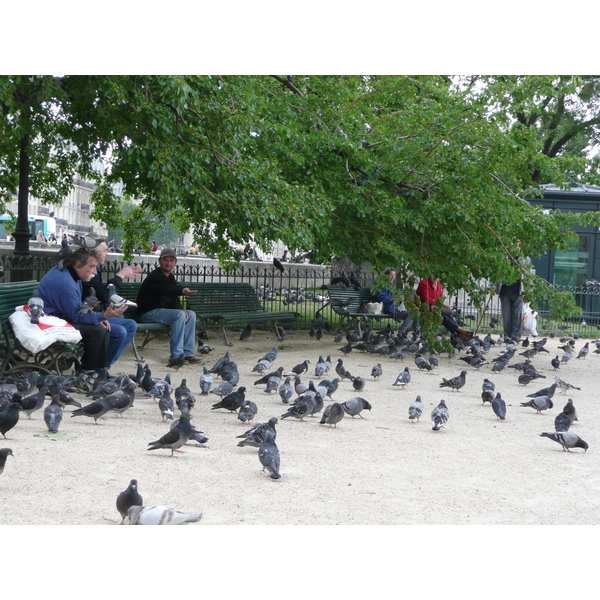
(61,289)
(429,290)
(158,302)
(511,304)
(122,331)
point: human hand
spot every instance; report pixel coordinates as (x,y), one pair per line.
(105,324)
(188,292)
(127,272)
(111,311)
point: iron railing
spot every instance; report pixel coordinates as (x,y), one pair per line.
(301,288)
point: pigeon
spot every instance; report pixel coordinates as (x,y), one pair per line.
(422,363)
(299,387)
(246,332)
(128,498)
(584,351)
(160,515)
(555,362)
(358,383)
(268,454)
(273,383)
(562,422)
(355,406)
(499,407)
(331,386)
(547,391)
(439,416)
(342,371)
(4,453)
(376,371)
(299,409)
(9,417)
(95,410)
(90,303)
(262,366)
(223,389)
(320,367)
(499,365)
(286,391)
(174,438)
(34,402)
(64,251)
(415,409)
(299,369)
(256,435)
(277,264)
(566,357)
(332,414)
(53,414)
(116,300)
(247,411)
(166,406)
(206,381)
(540,403)
(403,379)
(176,363)
(567,440)
(232,402)
(265,378)
(271,355)
(564,386)
(195,435)
(569,408)
(35,308)
(216,370)
(487,391)
(456,382)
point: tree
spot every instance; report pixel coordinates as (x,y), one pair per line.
(394,170)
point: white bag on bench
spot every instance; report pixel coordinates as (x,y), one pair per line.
(38,337)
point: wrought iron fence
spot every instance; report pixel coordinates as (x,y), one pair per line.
(301,287)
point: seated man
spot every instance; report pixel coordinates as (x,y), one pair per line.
(158,302)
(122,331)
(61,290)
(386,296)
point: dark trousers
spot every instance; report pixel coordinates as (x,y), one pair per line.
(95,346)
(512,314)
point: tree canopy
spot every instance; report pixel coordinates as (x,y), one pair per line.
(425,173)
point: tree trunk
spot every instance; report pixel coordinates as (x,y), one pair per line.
(22,232)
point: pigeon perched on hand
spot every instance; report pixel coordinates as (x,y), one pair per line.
(90,303)
(160,515)
(456,382)
(567,440)
(128,498)
(118,301)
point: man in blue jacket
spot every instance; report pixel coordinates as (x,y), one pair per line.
(61,290)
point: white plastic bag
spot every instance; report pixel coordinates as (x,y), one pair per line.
(529,320)
(37,337)
(374,308)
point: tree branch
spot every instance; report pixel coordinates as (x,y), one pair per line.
(288,84)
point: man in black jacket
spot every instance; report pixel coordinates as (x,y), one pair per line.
(158,302)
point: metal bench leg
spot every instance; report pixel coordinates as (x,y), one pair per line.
(134,349)
(224,334)
(277,332)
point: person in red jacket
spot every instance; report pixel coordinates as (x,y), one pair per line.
(429,290)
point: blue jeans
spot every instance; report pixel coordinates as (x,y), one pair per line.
(122,332)
(183,335)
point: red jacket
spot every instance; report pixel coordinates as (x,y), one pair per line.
(429,290)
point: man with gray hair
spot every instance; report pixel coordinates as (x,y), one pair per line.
(61,289)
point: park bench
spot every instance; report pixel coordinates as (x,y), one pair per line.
(350,304)
(222,304)
(15,359)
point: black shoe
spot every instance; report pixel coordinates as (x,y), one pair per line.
(192,360)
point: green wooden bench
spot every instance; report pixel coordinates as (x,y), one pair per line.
(222,304)
(349,303)
(15,359)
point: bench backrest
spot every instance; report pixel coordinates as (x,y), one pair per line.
(352,298)
(12,295)
(211,298)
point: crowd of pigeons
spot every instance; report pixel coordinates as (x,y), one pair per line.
(306,390)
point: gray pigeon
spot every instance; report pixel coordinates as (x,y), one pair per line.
(223,389)
(332,414)
(299,409)
(166,406)
(539,404)
(53,414)
(299,369)
(247,411)
(562,422)
(206,381)
(355,406)
(439,416)
(4,453)
(567,440)
(422,363)
(262,366)
(320,367)
(174,438)
(564,386)
(90,303)
(547,391)
(34,402)
(272,355)
(403,379)
(255,436)
(232,402)
(342,371)
(286,391)
(268,454)
(456,382)
(569,408)
(487,391)
(415,409)
(35,308)
(376,372)
(584,351)
(358,383)
(116,300)
(96,410)
(499,407)
(160,515)
(128,498)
